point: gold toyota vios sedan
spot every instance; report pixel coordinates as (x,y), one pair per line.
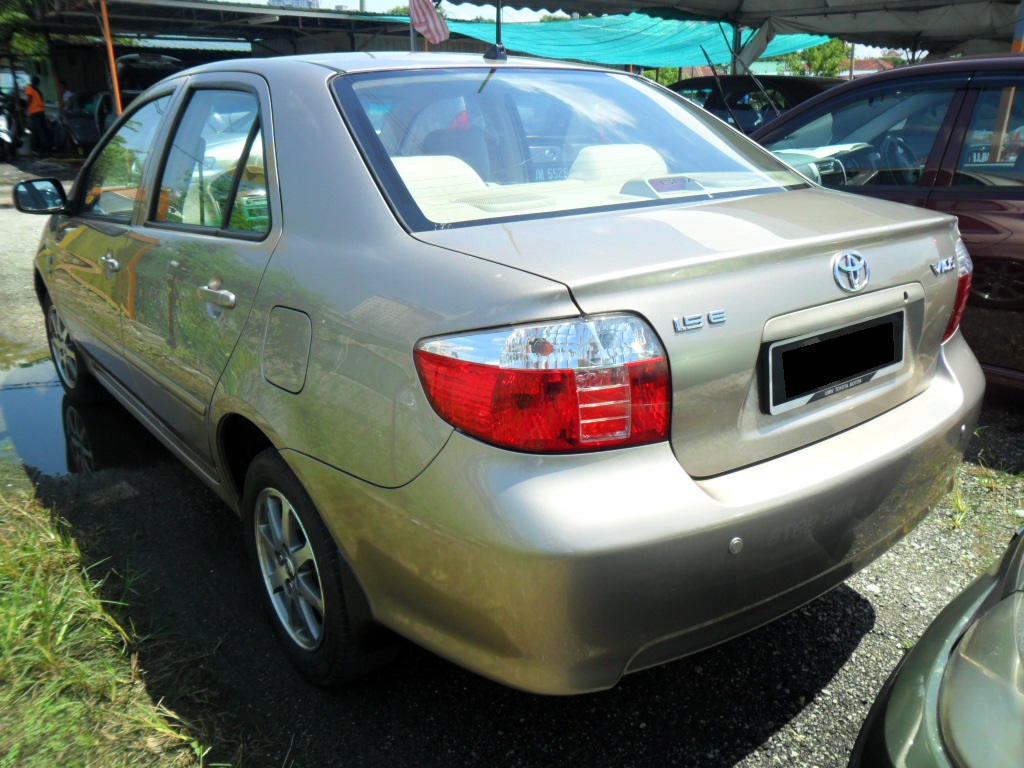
(537,365)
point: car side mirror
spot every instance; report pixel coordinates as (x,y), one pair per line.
(40,196)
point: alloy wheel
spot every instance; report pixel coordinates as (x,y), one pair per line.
(63,349)
(289,569)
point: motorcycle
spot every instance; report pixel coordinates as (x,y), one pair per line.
(10,127)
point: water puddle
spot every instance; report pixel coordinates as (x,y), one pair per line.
(48,434)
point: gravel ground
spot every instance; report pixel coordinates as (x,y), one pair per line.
(793,693)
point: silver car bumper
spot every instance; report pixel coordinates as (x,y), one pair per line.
(558,574)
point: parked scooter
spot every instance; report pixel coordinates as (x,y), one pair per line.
(10,127)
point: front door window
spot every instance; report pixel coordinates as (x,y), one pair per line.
(112,184)
(881,139)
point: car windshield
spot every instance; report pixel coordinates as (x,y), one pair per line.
(465,146)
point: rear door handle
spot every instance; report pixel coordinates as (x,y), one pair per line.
(219,297)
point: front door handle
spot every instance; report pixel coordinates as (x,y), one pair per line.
(220,297)
(110,265)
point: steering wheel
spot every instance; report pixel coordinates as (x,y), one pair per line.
(899,161)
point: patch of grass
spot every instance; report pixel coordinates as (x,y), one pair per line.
(70,690)
(961,507)
(988,478)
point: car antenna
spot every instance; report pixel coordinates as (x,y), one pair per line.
(497,51)
(721,90)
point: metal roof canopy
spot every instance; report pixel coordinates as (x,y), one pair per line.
(205,19)
(934,25)
(939,26)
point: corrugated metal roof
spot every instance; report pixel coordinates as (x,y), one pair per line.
(187,44)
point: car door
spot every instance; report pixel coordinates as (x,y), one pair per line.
(84,262)
(193,266)
(981,181)
(883,140)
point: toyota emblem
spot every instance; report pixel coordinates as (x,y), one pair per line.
(850,270)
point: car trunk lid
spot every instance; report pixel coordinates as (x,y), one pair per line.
(724,283)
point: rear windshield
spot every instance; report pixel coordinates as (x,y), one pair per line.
(468,146)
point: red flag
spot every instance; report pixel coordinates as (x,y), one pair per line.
(427,21)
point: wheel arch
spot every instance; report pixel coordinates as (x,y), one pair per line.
(40,285)
(240,441)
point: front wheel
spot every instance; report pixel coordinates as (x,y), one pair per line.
(79,384)
(301,576)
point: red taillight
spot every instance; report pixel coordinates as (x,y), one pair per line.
(963,289)
(538,398)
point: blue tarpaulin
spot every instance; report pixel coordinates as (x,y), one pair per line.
(639,39)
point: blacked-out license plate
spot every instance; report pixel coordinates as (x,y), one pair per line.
(819,365)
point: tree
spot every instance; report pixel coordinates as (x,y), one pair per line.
(826,59)
(664,75)
(403,10)
(15,40)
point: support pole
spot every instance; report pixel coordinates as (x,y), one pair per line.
(1018,30)
(110,55)
(736,40)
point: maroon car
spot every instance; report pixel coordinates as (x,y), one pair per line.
(947,135)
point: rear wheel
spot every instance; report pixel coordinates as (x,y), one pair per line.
(301,576)
(79,384)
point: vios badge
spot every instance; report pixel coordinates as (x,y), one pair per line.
(850,270)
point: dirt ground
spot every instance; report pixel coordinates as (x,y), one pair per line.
(792,693)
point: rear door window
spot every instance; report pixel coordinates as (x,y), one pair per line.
(214,176)
(992,154)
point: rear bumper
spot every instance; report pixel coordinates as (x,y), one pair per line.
(558,574)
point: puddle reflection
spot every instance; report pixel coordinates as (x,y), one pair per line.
(50,435)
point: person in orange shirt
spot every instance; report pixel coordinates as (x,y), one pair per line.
(41,140)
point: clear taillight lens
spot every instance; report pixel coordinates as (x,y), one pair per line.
(965,267)
(572,385)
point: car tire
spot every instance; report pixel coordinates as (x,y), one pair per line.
(301,577)
(79,384)
(998,283)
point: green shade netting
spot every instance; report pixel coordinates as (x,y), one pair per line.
(639,39)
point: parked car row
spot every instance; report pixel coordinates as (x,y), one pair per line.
(533,364)
(947,136)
